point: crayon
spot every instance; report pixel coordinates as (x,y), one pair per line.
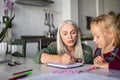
(18,77)
(22,72)
(89,69)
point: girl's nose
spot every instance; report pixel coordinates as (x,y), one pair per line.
(94,39)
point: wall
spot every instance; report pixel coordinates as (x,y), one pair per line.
(86,8)
(70,10)
(112,5)
(94,8)
(29,19)
(1,14)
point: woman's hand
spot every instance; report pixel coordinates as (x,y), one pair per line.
(66,59)
(99,62)
(79,60)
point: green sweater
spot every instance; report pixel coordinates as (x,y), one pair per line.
(52,49)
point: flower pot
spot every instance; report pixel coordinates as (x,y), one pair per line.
(5,47)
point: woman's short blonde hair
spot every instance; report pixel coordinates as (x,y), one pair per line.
(61,46)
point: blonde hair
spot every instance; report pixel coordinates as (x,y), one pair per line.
(107,24)
(61,46)
(118,21)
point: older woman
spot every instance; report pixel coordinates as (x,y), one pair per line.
(68,48)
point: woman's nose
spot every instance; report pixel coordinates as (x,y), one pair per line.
(69,36)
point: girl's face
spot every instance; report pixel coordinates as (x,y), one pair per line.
(68,34)
(97,36)
(101,39)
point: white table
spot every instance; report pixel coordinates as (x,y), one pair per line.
(39,69)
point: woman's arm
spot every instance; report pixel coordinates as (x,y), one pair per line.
(62,59)
(51,49)
(50,54)
(88,54)
(46,58)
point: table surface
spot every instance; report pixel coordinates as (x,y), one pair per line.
(39,69)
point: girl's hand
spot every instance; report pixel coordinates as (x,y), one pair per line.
(99,62)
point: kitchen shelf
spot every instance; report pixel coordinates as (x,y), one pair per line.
(35,2)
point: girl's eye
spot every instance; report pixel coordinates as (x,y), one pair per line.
(97,36)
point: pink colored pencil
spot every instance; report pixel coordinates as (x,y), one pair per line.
(90,69)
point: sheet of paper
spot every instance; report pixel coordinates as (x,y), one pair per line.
(82,76)
(65,65)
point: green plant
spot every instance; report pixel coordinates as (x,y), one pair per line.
(7,8)
(8,24)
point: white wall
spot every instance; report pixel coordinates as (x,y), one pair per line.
(86,8)
(94,8)
(112,5)
(70,10)
(29,19)
(1,13)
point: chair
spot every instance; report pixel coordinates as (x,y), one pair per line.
(19,48)
(46,41)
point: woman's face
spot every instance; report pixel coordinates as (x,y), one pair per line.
(68,34)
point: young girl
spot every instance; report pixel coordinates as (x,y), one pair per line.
(107,38)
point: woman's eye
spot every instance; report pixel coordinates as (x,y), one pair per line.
(64,33)
(73,32)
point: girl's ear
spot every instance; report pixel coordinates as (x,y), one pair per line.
(110,35)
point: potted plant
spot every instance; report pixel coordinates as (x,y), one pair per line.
(4,35)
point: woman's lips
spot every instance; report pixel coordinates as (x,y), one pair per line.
(70,41)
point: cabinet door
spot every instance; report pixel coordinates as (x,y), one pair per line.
(46,41)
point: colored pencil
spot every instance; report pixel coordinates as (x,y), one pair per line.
(22,71)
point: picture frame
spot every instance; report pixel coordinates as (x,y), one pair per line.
(88,21)
(5,19)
